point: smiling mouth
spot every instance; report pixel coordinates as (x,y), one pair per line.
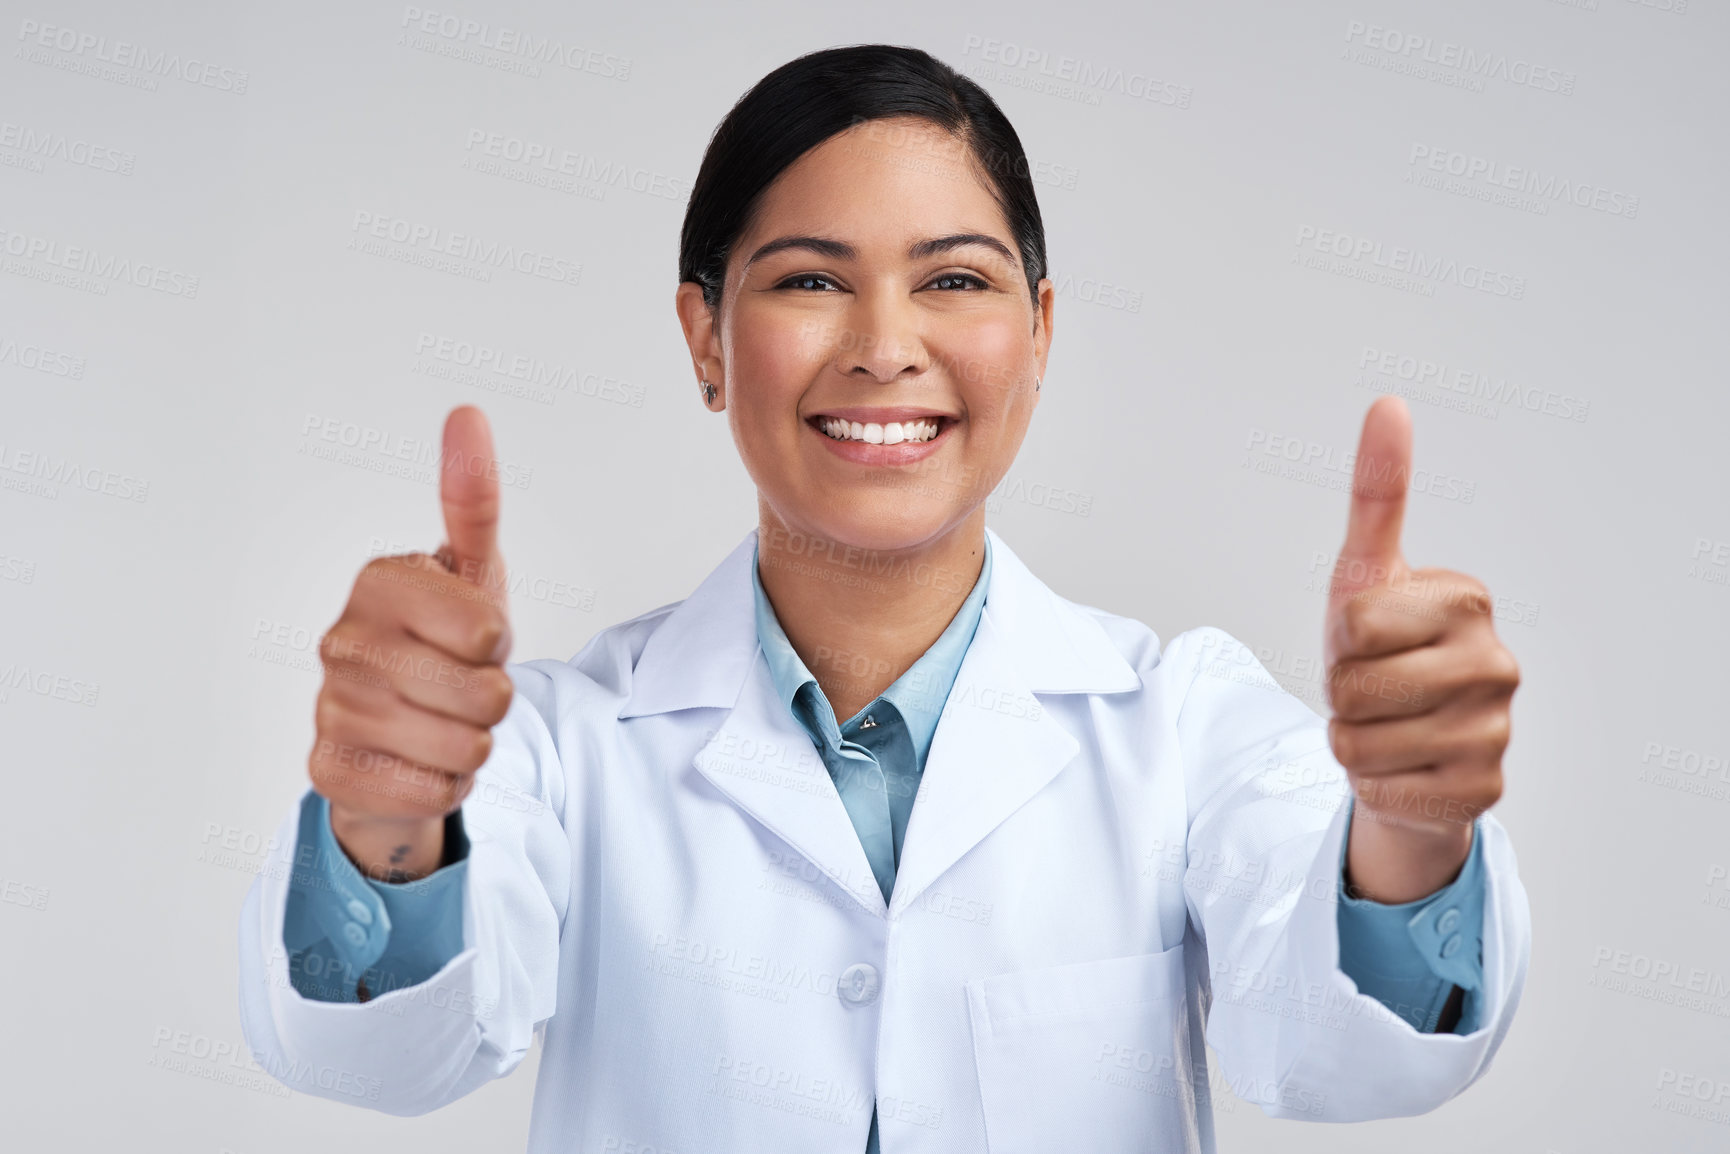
(886,433)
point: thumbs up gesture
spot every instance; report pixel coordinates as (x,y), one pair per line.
(414,675)
(1419,683)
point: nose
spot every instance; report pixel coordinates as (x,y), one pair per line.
(882,339)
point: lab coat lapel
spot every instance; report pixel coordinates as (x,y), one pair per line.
(767,764)
(996,744)
(994,748)
(706,655)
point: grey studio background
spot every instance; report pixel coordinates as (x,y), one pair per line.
(222,391)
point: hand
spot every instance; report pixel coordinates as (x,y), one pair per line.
(414,675)
(1419,683)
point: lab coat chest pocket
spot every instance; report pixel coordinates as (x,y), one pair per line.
(1093,1055)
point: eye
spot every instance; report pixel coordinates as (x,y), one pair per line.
(952,282)
(806,280)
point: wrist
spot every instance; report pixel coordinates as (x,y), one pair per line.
(389,849)
(1392,862)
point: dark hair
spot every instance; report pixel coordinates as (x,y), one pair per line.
(805,102)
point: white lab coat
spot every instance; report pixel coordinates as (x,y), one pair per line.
(1114,851)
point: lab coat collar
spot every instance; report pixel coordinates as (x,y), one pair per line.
(700,654)
(916,696)
(994,748)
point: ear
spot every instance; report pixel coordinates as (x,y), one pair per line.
(1044,317)
(698,321)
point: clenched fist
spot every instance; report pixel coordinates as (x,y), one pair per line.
(1419,683)
(414,675)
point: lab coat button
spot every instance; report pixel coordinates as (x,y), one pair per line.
(355,934)
(1449,919)
(358,911)
(859,984)
(1451,946)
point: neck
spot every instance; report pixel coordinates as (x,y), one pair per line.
(859,618)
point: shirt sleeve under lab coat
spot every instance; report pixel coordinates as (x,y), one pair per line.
(1411,956)
(351,937)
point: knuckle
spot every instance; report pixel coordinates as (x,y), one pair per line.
(1369,632)
(1499,730)
(486,629)
(1349,706)
(377,571)
(1504,668)
(325,781)
(499,691)
(1343,737)
(337,641)
(1345,696)
(382,580)
(1487,789)
(327,770)
(477,747)
(329,715)
(1473,594)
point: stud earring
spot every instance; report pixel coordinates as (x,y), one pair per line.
(1036,383)
(708,392)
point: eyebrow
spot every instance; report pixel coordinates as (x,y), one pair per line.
(919,250)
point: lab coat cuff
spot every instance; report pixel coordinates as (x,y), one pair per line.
(1368,1060)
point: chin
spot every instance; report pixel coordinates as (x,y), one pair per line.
(883,522)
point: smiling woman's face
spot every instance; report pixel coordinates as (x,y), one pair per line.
(879,292)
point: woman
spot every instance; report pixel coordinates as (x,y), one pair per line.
(998,905)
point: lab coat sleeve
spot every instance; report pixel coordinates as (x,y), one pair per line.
(420,1047)
(1267,819)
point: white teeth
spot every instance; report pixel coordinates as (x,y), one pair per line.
(889,433)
